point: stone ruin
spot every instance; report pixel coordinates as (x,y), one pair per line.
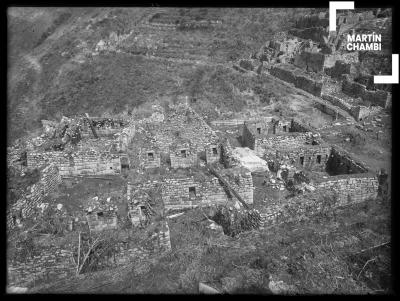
(311,58)
(190,166)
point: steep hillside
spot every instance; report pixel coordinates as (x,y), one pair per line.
(57,65)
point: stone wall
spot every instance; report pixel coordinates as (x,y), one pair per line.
(188,192)
(248,137)
(159,243)
(338,69)
(284,74)
(343,190)
(301,80)
(293,150)
(340,162)
(103,126)
(78,163)
(318,34)
(310,61)
(355,89)
(357,111)
(308,84)
(52,264)
(183,156)
(298,126)
(99,221)
(125,137)
(350,189)
(149,158)
(289,141)
(26,206)
(213,153)
(312,21)
(184,123)
(290,148)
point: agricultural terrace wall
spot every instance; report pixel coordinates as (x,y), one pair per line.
(319,20)
(345,191)
(358,112)
(78,163)
(191,192)
(300,80)
(354,89)
(52,263)
(26,206)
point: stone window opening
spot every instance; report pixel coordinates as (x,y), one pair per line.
(214,151)
(259,130)
(319,159)
(183,153)
(150,156)
(284,128)
(192,192)
(100,214)
(71,161)
(302,160)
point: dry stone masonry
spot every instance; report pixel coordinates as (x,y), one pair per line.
(27,205)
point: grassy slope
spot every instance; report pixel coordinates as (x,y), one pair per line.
(313,257)
(46,78)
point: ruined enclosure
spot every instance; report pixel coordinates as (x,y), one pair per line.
(249,150)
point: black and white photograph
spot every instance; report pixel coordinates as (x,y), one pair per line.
(200,150)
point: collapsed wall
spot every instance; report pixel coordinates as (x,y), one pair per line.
(28,203)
